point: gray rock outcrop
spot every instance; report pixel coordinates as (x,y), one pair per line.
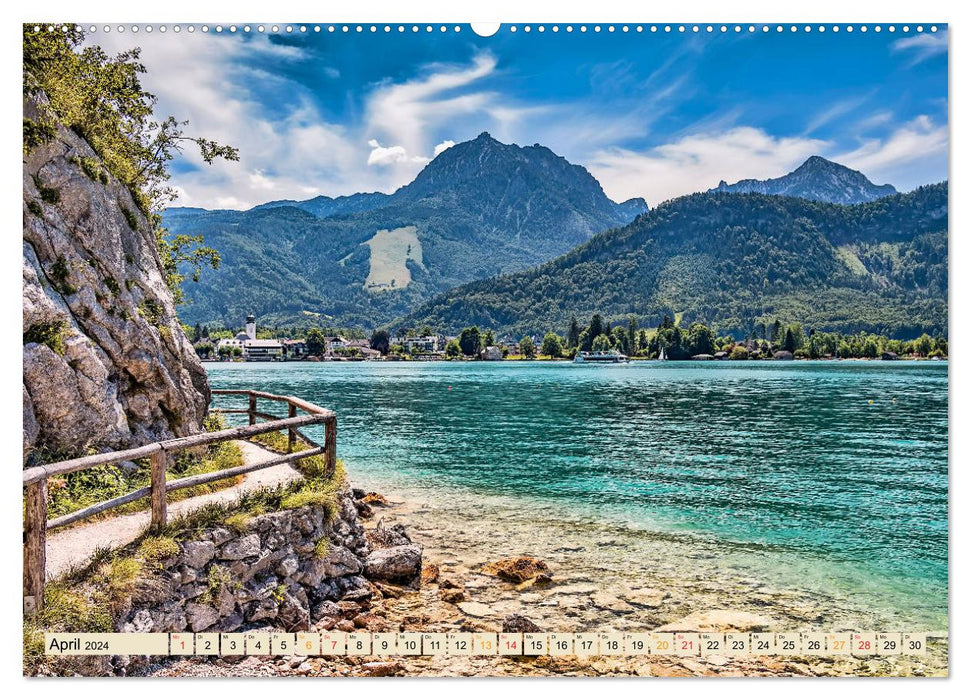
(106,363)
(289,569)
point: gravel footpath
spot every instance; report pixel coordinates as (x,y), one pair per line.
(74,545)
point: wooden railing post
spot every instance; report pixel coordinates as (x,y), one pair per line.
(35,546)
(330,445)
(291,433)
(161,453)
(159,462)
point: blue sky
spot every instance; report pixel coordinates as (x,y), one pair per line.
(649,114)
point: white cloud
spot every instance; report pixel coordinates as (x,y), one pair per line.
(411,114)
(443,146)
(922,46)
(910,155)
(289,149)
(697,162)
(877,119)
(209,81)
(404,112)
(834,111)
(383,156)
(259,180)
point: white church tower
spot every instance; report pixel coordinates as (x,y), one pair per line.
(251,326)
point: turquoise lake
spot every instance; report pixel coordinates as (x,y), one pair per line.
(789,458)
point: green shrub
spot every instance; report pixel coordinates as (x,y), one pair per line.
(36,133)
(50,334)
(112,284)
(92,168)
(130,218)
(276,441)
(35,208)
(84,488)
(151,311)
(59,274)
(214,422)
(51,195)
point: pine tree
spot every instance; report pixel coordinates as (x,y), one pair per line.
(595,330)
(573,334)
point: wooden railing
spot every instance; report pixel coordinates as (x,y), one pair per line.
(160,454)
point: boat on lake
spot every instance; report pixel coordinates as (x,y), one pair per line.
(601,357)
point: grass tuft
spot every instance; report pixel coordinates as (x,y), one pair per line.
(314,467)
(156,549)
(217,577)
(238,522)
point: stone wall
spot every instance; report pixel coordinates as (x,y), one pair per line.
(116,369)
(272,573)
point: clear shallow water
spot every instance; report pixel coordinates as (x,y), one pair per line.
(787,460)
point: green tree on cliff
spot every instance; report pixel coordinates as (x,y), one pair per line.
(101,98)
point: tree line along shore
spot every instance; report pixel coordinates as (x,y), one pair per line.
(669,340)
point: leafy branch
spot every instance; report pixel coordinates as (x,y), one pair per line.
(101,98)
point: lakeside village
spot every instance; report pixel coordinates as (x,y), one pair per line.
(597,341)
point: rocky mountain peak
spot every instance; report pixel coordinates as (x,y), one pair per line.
(817,179)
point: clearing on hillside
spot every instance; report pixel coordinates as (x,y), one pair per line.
(390,251)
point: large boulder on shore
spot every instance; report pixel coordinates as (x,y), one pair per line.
(518,569)
(395,564)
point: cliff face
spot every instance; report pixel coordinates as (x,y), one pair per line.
(106,363)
